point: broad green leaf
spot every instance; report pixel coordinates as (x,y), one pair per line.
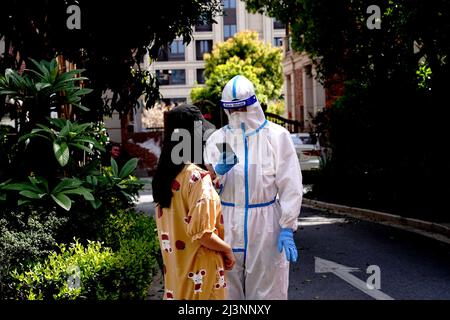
(96,203)
(8,92)
(40,85)
(59,122)
(65,130)
(114,168)
(62,200)
(79,106)
(83,91)
(22,201)
(33,135)
(61,153)
(67,184)
(5,183)
(31,195)
(128,168)
(82,127)
(39,182)
(44,71)
(20,187)
(79,146)
(86,193)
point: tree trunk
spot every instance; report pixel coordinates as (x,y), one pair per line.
(124,127)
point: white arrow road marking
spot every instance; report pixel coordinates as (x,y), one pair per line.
(343,272)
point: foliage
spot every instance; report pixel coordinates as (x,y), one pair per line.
(5,147)
(276,107)
(27,235)
(64,136)
(116,187)
(96,271)
(133,236)
(39,29)
(37,189)
(246,55)
(40,91)
(36,94)
(75,272)
(394,102)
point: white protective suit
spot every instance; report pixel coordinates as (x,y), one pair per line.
(260,195)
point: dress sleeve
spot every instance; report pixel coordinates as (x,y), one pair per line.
(203,206)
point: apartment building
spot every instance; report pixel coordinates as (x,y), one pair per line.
(305,95)
(181,67)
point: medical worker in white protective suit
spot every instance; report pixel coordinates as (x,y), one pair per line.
(261,193)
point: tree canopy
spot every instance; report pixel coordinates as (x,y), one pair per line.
(242,54)
(395,95)
(113,38)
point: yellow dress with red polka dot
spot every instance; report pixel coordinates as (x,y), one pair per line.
(191,271)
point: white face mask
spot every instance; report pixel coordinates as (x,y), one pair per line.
(238,117)
(252,118)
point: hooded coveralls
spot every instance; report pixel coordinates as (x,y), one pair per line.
(260,195)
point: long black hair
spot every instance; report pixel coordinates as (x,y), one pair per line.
(180,117)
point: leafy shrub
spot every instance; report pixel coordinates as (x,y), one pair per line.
(26,235)
(276,107)
(41,90)
(75,272)
(134,237)
(121,267)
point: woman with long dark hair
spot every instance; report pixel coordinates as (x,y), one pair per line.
(188,212)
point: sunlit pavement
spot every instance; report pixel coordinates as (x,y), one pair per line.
(145,201)
(411,266)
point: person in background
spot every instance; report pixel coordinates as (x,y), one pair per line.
(116,151)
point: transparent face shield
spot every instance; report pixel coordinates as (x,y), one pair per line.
(246,111)
(238,104)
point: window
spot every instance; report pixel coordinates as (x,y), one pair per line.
(229,19)
(229,30)
(203,27)
(200,76)
(227,4)
(278,41)
(202,47)
(172,52)
(176,50)
(170,77)
(178,77)
(278,24)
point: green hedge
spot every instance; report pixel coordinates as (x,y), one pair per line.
(121,267)
(133,236)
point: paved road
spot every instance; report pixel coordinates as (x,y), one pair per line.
(412,266)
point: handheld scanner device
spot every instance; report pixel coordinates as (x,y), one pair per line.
(224,147)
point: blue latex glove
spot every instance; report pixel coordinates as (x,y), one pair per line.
(286,241)
(226,163)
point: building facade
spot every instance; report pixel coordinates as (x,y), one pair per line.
(180,67)
(305,96)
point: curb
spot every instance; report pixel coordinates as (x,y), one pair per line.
(429,229)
